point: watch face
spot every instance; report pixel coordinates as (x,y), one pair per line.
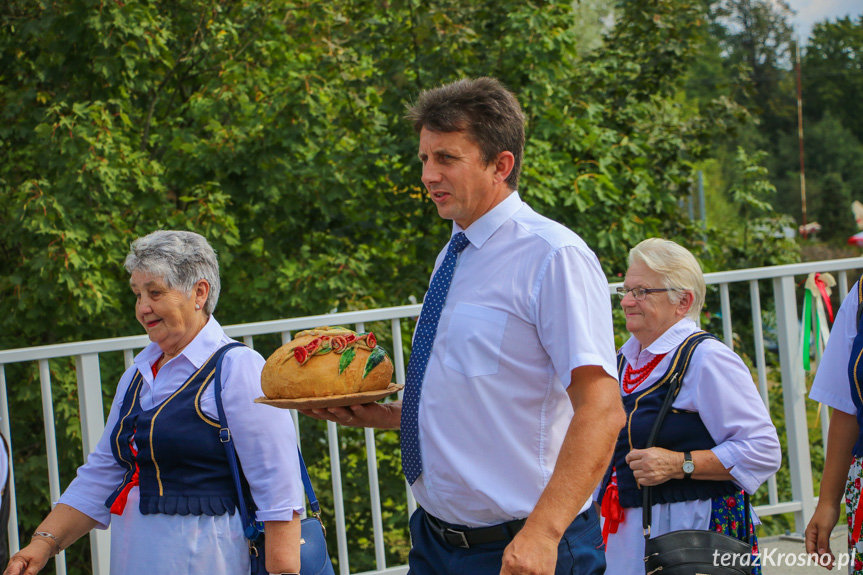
(688,467)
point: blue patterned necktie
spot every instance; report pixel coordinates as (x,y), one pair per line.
(423,340)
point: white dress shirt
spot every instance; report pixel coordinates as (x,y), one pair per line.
(528,303)
(831,386)
(266,445)
(719,387)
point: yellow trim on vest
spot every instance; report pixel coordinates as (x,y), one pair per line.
(660,383)
(201,414)
(857,362)
(140,379)
(153,421)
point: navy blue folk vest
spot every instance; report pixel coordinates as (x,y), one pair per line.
(183,466)
(681,431)
(855,370)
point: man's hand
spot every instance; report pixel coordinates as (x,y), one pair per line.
(818,533)
(379,415)
(530,553)
(655,465)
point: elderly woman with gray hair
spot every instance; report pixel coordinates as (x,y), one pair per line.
(716,440)
(159,475)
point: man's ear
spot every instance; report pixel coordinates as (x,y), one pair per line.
(503,165)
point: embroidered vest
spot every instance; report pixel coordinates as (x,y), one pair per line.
(855,370)
(183,469)
(681,431)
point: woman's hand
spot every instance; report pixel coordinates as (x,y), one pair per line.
(655,465)
(818,532)
(31,559)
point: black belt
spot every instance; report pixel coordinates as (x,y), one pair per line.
(467,538)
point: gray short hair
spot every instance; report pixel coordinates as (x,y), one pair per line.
(181,259)
(678,268)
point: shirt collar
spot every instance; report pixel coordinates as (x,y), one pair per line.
(481,230)
(668,341)
(197,352)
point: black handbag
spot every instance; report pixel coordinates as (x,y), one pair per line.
(691,551)
(314,557)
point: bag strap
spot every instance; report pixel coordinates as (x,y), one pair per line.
(252,528)
(680,363)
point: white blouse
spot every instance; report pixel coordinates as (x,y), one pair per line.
(831,386)
(266,445)
(719,387)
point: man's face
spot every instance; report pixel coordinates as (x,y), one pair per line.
(461,185)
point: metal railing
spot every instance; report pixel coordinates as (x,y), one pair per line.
(87,354)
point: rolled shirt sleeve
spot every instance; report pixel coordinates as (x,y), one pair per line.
(734,414)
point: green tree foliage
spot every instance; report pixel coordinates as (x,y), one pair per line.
(834,176)
(833,73)
(275,128)
(756,37)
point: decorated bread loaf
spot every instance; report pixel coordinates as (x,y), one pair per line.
(326,361)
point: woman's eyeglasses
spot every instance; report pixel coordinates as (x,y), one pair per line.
(640,294)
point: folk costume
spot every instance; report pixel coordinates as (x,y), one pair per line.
(717,408)
(839,384)
(159,474)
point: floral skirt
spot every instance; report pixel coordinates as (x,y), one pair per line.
(852,496)
(727,517)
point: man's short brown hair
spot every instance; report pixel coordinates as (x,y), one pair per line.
(484,109)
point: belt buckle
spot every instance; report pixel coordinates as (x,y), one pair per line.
(463,539)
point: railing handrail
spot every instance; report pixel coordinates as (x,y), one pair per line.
(380,314)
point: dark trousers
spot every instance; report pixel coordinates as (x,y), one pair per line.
(581,551)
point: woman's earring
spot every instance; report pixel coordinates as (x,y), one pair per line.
(197,306)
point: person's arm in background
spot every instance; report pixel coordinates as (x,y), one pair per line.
(831,387)
(841,437)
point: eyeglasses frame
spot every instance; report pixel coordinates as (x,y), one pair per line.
(622,291)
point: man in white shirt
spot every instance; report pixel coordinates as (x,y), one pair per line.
(517,409)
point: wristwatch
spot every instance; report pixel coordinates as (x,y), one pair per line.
(688,465)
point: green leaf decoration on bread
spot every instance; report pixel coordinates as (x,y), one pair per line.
(378,354)
(346,358)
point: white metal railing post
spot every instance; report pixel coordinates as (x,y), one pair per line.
(399,357)
(92,414)
(725,306)
(12,532)
(51,448)
(338,498)
(761,366)
(793,390)
(374,488)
